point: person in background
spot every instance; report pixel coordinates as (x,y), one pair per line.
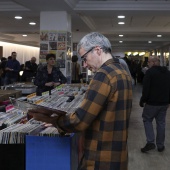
(76,70)
(103,116)
(2,70)
(155,100)
(124,64)
(48,76)
(30,69)
(12,69)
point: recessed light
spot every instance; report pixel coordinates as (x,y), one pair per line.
(120,35)
(120,41)
(32,23)
(24,35)
(121,23)
(159,35)
(121,16)
(149,41)
(18,17)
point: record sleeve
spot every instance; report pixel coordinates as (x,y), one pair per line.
(25,106)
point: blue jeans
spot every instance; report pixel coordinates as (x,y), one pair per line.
(159,114)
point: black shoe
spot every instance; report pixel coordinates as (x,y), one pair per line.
(148,147)
(161,149)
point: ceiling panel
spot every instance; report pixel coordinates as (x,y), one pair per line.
(144,20)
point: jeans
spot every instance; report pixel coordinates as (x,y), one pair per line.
(159,114)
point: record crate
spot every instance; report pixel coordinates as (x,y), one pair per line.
(49,153)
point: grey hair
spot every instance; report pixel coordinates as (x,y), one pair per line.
(94,39)
(155,59)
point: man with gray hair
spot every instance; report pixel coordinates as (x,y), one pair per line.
(103,115)
(30,69)
(155,100)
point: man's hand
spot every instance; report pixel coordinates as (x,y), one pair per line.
(47,117)
(41,115)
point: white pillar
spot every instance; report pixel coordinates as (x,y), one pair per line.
(55,37)
(161,58)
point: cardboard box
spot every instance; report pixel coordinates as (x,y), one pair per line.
(5,94)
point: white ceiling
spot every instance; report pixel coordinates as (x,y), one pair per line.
(144,20)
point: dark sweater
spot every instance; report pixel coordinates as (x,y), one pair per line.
(156,86)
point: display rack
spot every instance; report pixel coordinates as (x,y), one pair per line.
(36,147)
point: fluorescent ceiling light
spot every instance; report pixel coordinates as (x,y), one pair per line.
(32,23)
(141,53)
(24,35)
(121,23)
(121,16)
(135,53)
(120,41)
(149,41)
(120,35)
(159,35)
(18,17)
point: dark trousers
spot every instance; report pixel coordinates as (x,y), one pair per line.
(159,114)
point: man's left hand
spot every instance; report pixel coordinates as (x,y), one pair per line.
(43,116)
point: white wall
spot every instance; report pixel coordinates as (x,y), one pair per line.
(24,53)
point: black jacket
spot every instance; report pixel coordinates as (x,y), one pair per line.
(42,78)
(156,86)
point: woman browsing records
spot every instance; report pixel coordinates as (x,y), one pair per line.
(48,76)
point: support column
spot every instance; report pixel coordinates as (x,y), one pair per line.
(161,58)
(55,37)
(155,52)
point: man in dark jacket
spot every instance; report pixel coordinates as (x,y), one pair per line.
(12,69)
(155,100)
(30,69)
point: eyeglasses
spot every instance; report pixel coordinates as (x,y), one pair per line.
(84,56)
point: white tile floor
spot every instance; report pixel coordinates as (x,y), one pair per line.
(152,160)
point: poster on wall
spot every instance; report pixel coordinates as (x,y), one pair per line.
(69,38)
(52,52)
(75,46)
(61,36)
(43,55)
(60,54)
(43,35)
(68,53)
(43,46)
(61,46)
(52,45)
(61,63)
(52,36)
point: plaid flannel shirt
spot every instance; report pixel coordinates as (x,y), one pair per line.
(104,118)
